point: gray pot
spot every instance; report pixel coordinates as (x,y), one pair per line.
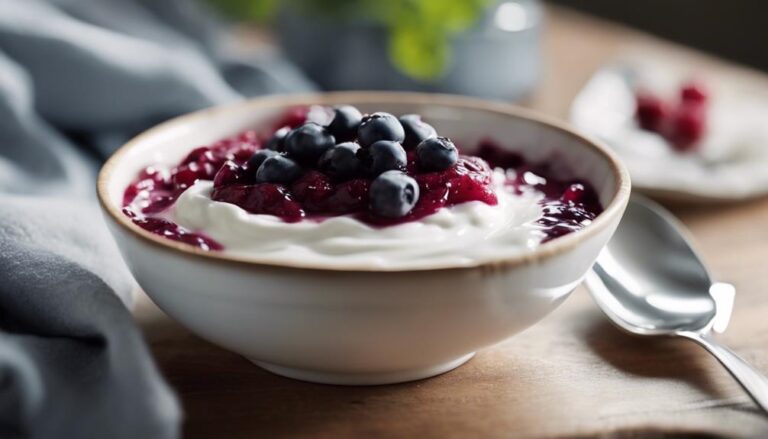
(497,59)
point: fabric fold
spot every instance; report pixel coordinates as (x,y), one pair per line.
(77,78)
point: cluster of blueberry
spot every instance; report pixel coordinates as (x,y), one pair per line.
(682,122)
(353,145)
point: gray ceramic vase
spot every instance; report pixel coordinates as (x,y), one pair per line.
(497,59)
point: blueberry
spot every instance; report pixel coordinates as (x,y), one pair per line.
(382,156)
(379,126)
(416,130)
(308,142)
(346,120)
(393,194)
(278,169)
(341,161)
(436,154)
(277,141)
(258,158)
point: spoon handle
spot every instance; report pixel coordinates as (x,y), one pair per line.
(752,380)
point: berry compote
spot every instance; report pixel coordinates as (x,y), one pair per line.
(302,169)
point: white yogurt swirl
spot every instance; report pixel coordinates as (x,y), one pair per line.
(463,235)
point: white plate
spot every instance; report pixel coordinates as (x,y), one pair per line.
(732,161)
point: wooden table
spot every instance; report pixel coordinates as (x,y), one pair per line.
(572,375)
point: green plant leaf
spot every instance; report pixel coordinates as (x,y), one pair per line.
(259,10)
(420,31)
(421,55)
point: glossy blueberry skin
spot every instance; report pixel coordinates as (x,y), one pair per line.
(278,169)
(258,158)
(342,161)
(276,142)
(379,126)
(416,130)
(393,194)
(308,142)
(436,154)
(346,120)
(382,156)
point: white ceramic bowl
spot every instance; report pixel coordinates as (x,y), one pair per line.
(352,326)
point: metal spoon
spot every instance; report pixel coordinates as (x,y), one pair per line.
(650,281)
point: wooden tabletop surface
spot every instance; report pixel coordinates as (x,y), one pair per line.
(572,375)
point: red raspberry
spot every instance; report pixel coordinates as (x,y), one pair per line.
(694,92)
(687,127)
(651,112)
(230,173)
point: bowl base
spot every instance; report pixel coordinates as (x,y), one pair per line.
(363,379)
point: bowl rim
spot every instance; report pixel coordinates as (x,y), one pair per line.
(544,251)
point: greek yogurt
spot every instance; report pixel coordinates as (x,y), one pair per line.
(461,235)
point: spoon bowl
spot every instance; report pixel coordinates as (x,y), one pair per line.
(650,281)
(650,278)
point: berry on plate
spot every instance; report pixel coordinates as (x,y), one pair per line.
(682,123)
(651,111)
(694,92)
(687,128)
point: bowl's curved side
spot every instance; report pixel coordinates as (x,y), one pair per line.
(355,327)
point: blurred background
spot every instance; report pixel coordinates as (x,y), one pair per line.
(733,31)
(487,48)
(422,45)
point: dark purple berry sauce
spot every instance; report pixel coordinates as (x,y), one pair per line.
(568,205)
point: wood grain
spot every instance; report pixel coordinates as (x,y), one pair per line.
(572,375)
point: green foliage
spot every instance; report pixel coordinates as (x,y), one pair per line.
(246,9)
(420,31)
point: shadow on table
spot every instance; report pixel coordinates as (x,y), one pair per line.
(669,358)
(250,402)
(225,395)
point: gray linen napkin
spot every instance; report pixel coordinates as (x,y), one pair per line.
(78,77)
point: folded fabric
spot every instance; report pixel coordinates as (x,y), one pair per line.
(77,78)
